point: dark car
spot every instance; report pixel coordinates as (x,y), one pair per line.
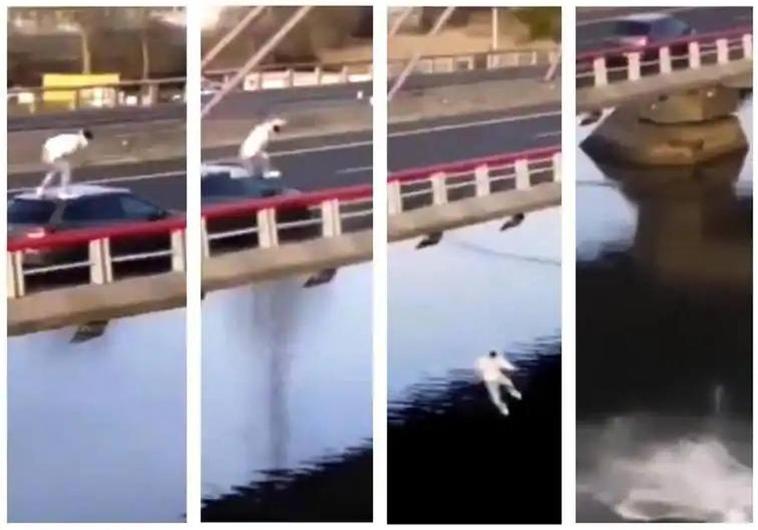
(229,183)
(644,31)
(82,207)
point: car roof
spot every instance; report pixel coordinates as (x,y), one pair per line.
(235,170)
(645,17)
(75,191)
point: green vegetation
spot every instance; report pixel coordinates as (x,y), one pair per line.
(543,22)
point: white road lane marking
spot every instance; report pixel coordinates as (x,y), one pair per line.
(548,134)
(125,178)
(361,169)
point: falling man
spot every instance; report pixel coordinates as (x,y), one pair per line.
(490,368)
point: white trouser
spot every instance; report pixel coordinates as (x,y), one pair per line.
(493,387)
(258,164)
(61,167)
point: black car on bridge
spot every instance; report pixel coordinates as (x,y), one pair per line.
(229,183)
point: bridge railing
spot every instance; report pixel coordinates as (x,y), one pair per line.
(276,221)
(277,76)
(23,101)
(603,67)
(94,256)
(490,60)
(437,185)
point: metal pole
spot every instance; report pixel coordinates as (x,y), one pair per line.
(444,16)
(257,58)
(229,37)
(399,21)
(495,29)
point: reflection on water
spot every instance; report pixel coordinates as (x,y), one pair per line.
(96,430)
(287,400)
(664,341)
(451,452)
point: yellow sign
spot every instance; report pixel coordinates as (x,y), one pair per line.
(68,97)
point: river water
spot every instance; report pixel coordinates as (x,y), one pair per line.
(96,430)
(287,421)
(452,457)
(664,340)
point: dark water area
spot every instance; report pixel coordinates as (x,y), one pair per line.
(453,458)
(664,341)
(335,489)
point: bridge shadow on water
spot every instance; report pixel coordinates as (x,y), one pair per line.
(332,489)
(453,458)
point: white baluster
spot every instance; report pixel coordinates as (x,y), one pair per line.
(439,188)
(16,283)
(747,46)
(101,268)
(664,59)
(394,197)
(482,177)
(722,51)
(178,252)
(268,235)
(694,54)
(521,167)
(331,224)
(557,167)
(204,237)
(634,71)
(600,70)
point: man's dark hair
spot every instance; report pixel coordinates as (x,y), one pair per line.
(277,128)
(493,353)
(87,134)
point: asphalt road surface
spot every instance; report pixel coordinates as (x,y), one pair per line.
(594,26)
(324,162)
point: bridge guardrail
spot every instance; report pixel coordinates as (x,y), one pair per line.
(432,186)
(270,222)
(490,60)
(600,68)
(29,101)
(90,256)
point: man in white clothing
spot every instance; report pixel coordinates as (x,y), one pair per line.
(253,149)
(57,152)
(490,368)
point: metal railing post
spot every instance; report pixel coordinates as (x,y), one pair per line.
(204,238)
(747,46)
(664,60)
(482,178)
(722,51)
(101,271)
(600,71)
(394,197)
(521,167)
(634,70)
(557,167)
(693,49)
(439,188)
(268,235)
(16,283)
(178,256)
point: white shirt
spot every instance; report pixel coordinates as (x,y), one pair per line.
(490,368)
(62,145)
(258,139)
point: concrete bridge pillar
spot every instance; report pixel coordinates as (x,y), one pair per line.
(708,103)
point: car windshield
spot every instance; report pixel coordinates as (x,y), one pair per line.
(30,211)
(632,28)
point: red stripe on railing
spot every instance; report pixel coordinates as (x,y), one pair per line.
(426,172)
(701,37)
(241,208)
(78,237)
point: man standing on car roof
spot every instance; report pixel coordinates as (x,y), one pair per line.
(253,149)
(490,368)
(57,152)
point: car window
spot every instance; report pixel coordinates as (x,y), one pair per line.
(30,211)
(135,208)
(632,28)
(100,208)
(220,184)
